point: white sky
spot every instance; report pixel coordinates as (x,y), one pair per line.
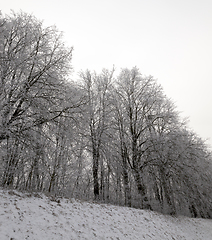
(168,39)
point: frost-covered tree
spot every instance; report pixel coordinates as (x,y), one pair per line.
(34,64)
(96,88)
(136,101)
(33,67)
(157,150)
(115,139)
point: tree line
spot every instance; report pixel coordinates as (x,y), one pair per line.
(116,139)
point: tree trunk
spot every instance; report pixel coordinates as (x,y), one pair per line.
(52,181)
(108,184)
(11,163)
(168,193)
(141,189)
(102,182)
(127,192)
(95,173)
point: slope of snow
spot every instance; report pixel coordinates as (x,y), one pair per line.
(35,216)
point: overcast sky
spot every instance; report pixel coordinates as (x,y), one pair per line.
(168,39)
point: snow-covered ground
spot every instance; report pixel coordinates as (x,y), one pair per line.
(35,216)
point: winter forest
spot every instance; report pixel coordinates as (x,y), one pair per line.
(108,136)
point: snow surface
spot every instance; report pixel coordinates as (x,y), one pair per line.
(36,216)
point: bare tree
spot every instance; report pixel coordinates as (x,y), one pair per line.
(33,66)
(140,106)
(96,88)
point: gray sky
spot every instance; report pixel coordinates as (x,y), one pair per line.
(168,39)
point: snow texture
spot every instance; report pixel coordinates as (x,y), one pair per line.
(36,216)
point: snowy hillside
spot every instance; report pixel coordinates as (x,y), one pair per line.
(34,216)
